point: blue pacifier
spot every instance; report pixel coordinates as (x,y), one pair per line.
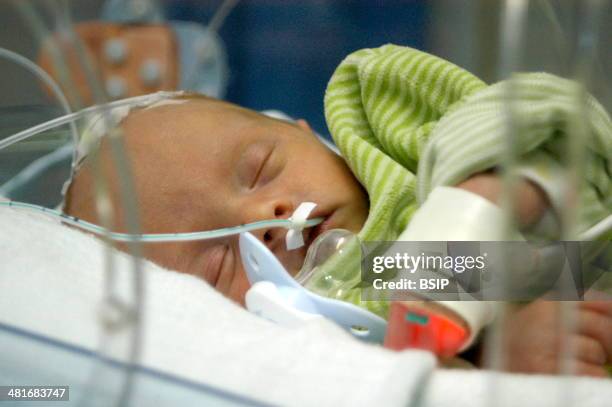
(277,296)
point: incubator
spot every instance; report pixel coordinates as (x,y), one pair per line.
(275,294)
(41,150)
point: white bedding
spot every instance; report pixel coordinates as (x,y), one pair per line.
(51,280)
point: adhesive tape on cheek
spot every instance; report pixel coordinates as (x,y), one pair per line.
(294,238)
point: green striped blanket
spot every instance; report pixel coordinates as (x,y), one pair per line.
(407,121)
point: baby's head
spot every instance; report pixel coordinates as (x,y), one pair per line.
(206,164)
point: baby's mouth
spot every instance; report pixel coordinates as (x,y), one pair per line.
(319,229)
(310,235)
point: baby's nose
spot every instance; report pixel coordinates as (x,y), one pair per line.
(282,209)
(274,238)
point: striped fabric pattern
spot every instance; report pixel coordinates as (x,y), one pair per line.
(406,121)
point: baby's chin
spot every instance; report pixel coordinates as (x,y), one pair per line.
(293,260)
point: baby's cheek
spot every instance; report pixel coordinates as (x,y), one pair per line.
(175,257)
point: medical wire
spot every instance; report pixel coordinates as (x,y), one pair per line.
(514,15)
(162,237)
(589,22)
(512,38)
(558,35)
(36,23)
(69,118)
(598,230)
(47,80)
(213,27)
(131,336)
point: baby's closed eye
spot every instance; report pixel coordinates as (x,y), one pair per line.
(256,166)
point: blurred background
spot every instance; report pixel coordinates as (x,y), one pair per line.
(280,54)
(267,54)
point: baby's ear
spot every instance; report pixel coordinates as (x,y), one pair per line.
(303,124)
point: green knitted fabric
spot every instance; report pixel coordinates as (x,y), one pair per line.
(406,122)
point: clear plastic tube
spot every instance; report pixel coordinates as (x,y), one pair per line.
(34,21)
(47,80)
(143,100)
(122,341)
(117,339)
(590,21)
(512,41)
(213,28)
(597,231)
(161,237)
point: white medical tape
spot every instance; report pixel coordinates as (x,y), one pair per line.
(453,214)
(101,123)
(294,238)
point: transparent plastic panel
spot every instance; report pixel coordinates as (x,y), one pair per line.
(35,170)
(63,63)
(496,40)
(87,64)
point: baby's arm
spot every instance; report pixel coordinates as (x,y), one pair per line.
(531,202)
(533,333)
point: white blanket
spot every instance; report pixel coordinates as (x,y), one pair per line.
(51,283)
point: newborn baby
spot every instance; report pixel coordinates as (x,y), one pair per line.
(204,164)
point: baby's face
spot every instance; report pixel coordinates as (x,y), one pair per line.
(204,165)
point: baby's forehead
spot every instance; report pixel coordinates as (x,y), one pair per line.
(174,126)
(189,122)
(183,117)
(200,109)
(203,123)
